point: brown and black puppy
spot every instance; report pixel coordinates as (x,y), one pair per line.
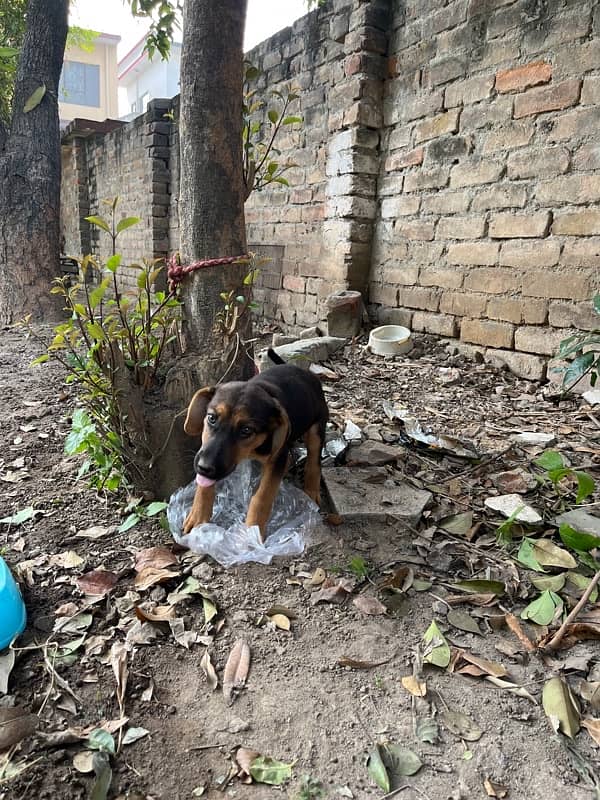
(257,419)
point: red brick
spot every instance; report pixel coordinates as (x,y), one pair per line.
(519,78)
(402,160)
(550,98)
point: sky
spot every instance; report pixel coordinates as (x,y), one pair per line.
(265,17)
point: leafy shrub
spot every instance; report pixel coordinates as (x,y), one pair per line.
(584,349)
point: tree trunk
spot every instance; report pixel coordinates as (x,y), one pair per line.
(211,205)
(30,172)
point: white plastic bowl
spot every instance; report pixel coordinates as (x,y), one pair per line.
(390,340)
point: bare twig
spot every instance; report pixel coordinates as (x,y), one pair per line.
(554,643)
(515,626)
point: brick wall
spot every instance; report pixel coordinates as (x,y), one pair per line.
(447,167)
(488,222)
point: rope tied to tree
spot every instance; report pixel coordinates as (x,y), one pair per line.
(176,272)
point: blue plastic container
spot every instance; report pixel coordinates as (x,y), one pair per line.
(12,608)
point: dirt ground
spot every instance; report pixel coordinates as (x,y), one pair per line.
(299,704)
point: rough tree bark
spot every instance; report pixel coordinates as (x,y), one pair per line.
(30,172)
(211,203)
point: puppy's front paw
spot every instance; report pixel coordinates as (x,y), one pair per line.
(191,521)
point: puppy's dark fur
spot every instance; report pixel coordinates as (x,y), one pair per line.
(257,419)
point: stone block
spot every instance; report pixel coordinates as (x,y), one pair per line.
(401,160)
(468,91)
(419,297)
(543,341)
(532,368)
(577,223)
(312,350)
(394,316)
(551,98)
(487,332)
(555,285)
(475,172)
(497,280)
(294,283)
(416,229)
(438,276)
(449,148)
(461,227)
(581,253)
(437,126)
(399,206)
(590,94)
(511,309)
(463,304)
(573,315)
(517,226)
(504,195)
(446,203)
(438,324)
(368,495)
(473,253)
(444,71)
(524,77)
(527,254)
(426,179)
(344,314)
(508,136)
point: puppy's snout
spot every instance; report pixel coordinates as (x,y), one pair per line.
(203,466)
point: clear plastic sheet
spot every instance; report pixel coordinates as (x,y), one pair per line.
(227,539)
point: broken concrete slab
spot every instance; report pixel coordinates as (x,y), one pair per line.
(580,520)
(508,504)
(369,495)
(318,349)
(309,333)
(345,311)
(373,454)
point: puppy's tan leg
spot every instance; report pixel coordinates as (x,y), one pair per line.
(312,469)
(202,507)
(261,504)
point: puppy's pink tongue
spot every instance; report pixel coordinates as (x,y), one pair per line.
(202,481)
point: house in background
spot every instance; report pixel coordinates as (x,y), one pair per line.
(88,86)
(142,79)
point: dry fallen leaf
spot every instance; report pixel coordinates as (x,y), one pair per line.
(560,706)
(333,591)
(318,577)
(414,686)
(207,667)
(593,728)
(15,724)
(369,605)
(118,662)
(97,583)
(280,621)
(494,789)
(156,614)
(157,557)
(478,666)
(236,669)
(244,758)
(149,576)
(67,610)
(354,663)
(67,560)
(400,580)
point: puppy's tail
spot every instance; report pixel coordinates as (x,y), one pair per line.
(274,356)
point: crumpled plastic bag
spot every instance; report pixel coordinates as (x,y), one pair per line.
(227,539)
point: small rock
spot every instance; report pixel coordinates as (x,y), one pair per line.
(580,521)
(514,481)
(309,333)
(281,338)
(373,454)
(237,725)
(372,432)
(531,437)
(507,504)
(447,375)
(592,397)
(158,594)
(203,572)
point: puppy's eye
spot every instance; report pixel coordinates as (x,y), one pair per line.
(211,418)
(246,431)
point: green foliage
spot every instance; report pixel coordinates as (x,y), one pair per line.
(261,158)
(359,568)
(584,350)
(558,474)
(310,789)
(83,38)
(237,302)
(164,18)
(113,346)
(12,31)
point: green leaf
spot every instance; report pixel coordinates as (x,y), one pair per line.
(101,740)
(526,556)
(8,52)
(103,779)
(127,222)
(97,294)
(596,303)
(35,98)
(273,115)
(560,707)
(577,540)
(95,331)
(252,73)
(266,770)
(553,583)
(436,649)
(461,725)
(113,262)
(478,586)
(578,368)
(133,734)
(543,610)
(99,222)
(585,485)
(210,609)
(581,582)
(131,520)
(400,761)
(463,621)
(155,508)
(21,516)
(291,120)
(40,359)
(549,460)
(377,771)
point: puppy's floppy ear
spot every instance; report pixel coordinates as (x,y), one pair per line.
(282,431)
(197,410)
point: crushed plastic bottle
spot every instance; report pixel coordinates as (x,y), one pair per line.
(227,538)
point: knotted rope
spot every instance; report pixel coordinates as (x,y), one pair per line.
(176,271)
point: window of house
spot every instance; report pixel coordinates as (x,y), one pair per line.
(80,84)
(144,100)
